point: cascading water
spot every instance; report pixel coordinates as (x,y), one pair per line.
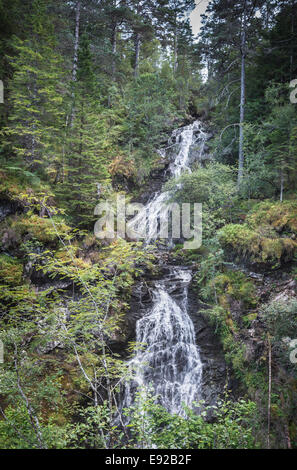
(151,217)
(169,359)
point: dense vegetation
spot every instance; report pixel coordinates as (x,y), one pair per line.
(92,89)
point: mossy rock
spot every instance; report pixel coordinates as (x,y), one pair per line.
(18,185)
(268,235)
(40,228)
(258,245)
(281,216)
(11,270)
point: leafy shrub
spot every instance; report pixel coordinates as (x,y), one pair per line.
(213,185)
(232,427)
(281,318)
(236,285)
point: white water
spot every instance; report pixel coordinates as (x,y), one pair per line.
(155,213)
(169,360)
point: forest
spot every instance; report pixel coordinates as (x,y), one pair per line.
(116,342)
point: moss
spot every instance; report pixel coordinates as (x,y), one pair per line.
(238,236)
(11,185)
(65,257)
(279,215)
(248,319)
(40,228)
(19,184)
(260,248)
(236,285)
(277,249)
(227,330)
(267,235)
(11,270)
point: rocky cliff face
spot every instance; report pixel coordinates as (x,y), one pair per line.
(214,370)
(185,147)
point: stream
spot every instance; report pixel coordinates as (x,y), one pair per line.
(167,359)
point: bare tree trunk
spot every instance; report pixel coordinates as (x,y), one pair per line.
(33,140)
(269,392)
(75,58)
(76,42)
(113,59)
(114,51)
(175,50)
(137,53)
(282,184)
(242,98)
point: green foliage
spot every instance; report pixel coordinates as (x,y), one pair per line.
(231,426)
(261,245)
(35,130)
(280,318)
(282,217)
(16,430)
(36,323)
(150,113)
(235,285)
(93,429)
(40,228)
(11,270)
(210,264)
(213,186)
(74,132)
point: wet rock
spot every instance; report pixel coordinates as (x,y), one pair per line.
(214,373)
(49,347)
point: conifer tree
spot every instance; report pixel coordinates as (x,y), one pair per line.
(37,95)
(85,166)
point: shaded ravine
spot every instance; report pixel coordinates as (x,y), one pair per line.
(167,359)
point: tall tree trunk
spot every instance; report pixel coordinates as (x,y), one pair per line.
(76,42)
(242,97)
(281,183)
(175,51)
(137,53)
(75,58)
(113,59)
(114,51)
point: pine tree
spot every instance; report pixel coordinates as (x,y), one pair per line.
(85,166)
(37,115)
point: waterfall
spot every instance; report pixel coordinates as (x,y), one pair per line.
(153,215)
(169,359)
